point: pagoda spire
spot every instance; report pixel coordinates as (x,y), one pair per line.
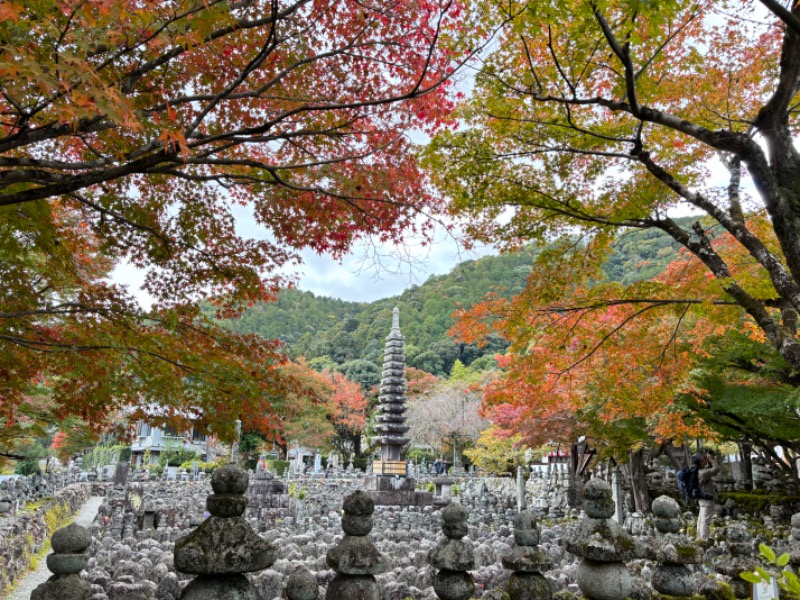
(391,420)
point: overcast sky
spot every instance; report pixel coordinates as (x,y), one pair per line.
(369,273)
(364,276)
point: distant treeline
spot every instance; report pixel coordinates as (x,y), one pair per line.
(331,332)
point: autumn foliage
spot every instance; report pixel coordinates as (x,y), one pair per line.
(205,143)
(592,119)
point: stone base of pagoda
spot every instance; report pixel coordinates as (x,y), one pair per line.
(396,490)
(395,498)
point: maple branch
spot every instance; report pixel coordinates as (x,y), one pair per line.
(603,340)
(656,301)
(269,45)
(783,14)
(673,336)
(623,53)
(784,283)
(700,246)
(12,455)
(664,44)
(556,61)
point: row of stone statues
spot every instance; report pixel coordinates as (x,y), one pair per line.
(224,547)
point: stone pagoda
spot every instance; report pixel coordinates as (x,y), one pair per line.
(391,485)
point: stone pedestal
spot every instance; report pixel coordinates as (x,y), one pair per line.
(739,541)
(302,585)
(671,551)
(66,562)
(397,491)
(355,559)
(453,557)
(224,546)
(527,561)
(603,545)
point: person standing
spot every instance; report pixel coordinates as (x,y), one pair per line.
(707,469)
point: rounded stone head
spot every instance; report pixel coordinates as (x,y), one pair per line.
(597,489)
(358,503)
(454,521)
(72,539)
(301,585)
(665,507)
(229,479)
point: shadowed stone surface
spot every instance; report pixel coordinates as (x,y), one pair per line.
(62,587)
(604,580)
(353,587)
(72,539)
(355,558)
(227,587)
(301,585)
(603,545)
(68,559)
(223,546)
(454,556)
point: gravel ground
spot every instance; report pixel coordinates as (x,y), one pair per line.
(23,588)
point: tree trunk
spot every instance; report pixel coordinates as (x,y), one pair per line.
(676,456)
(746,450)
(641,497)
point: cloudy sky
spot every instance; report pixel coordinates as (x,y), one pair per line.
(369,273)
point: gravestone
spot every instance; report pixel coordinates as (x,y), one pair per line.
(121,474)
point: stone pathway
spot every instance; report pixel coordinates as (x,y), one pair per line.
(23,588)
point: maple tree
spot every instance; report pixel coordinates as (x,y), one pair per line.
(347,411)
(496,452)
(145,131)
(304,415)
(591,119)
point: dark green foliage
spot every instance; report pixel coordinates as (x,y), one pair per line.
(125,454)
(330,332)
(765,415)
(364,372)
(27,467)
(175,457)
(641,254)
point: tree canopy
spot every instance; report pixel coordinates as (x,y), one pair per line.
(151,133)
(592,119)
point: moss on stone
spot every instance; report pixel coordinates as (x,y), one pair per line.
(722,591)
(758,501)
(657,596)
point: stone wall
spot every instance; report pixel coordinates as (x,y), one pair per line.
(25,534)
(15,492)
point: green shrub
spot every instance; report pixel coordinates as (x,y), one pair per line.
(176,456)
(206,467)
(277,467)
(125,454)
(27,467)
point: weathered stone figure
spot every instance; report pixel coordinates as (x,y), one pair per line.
(527,561)
(603,545)
(453,556)
(355,559)
(224,546)
(672,551)
(739,541)
(67,560)
(302,585)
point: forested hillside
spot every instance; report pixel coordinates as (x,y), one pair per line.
(328,332)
